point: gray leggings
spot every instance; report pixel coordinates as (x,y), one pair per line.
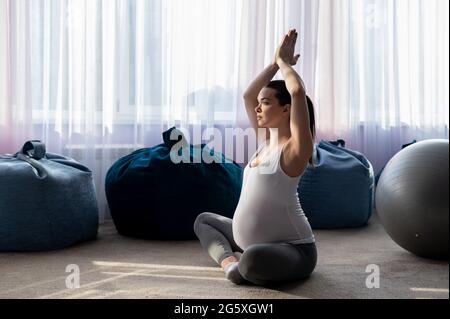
(261,264)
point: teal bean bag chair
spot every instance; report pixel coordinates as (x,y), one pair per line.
(47,201)
(337,191)
(152,197)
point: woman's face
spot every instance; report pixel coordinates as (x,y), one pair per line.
(269,112)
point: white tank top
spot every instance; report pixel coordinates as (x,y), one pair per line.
(269,210)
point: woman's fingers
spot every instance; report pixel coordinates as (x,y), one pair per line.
(287,47)
(293,38)
(287,42)
(291,44)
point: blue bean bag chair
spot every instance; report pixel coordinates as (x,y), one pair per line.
(151,196)
(337,191)
(47,201)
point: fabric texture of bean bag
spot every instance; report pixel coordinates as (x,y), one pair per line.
(151,196)
(338,190)
(47,201)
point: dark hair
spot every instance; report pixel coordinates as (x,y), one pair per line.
(284,97)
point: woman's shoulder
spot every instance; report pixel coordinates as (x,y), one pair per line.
(291,163)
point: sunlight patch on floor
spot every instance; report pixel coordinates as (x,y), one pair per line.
(155,266)
(165,276)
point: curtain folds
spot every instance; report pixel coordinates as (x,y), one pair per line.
(97,79)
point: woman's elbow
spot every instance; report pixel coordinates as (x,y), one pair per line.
(298,91)
(248,95)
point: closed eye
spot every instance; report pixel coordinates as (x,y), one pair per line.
(264,100)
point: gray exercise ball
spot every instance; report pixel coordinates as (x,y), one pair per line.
(412,198)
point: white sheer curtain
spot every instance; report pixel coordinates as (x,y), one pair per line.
(96,79)
(382,73)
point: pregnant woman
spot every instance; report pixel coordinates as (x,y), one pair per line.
(269,240)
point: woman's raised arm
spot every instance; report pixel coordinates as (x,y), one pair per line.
(251,94)
(302,140)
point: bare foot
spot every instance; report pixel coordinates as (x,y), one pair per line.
(230,266)
(228,260)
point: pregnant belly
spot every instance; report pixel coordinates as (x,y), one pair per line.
(262,222)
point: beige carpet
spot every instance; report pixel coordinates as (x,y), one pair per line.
(118,267)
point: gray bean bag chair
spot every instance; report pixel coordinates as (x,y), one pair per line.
(47,201)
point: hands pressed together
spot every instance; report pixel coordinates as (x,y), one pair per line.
(285,52)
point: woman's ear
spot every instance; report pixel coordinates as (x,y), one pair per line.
(287,108)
